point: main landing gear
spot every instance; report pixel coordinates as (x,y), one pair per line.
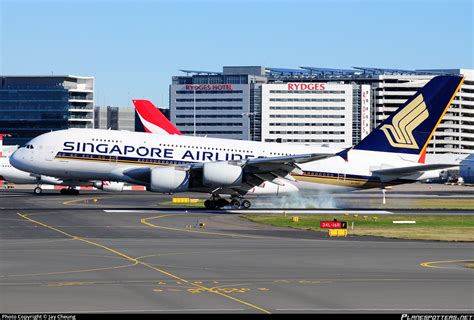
(237,203)
(69,191)
(216,202)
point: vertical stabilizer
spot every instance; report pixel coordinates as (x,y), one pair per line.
(409,129)
(152,119)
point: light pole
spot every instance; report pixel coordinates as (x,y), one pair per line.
(194,110)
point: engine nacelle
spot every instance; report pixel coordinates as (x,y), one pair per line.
(466,170)
(217,174)
(109,186)
(169,180)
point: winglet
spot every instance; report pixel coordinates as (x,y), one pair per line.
(152,119)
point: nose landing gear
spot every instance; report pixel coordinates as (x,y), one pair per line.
(38,190)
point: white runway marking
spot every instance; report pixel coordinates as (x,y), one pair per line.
(266,211)
(127,211)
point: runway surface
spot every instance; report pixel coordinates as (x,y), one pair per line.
(122,253)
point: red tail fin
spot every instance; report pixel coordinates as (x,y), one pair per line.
(152,119)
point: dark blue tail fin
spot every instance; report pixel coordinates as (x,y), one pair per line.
(410,128)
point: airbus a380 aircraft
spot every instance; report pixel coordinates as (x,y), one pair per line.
(391,154)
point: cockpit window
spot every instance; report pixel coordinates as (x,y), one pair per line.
(29,146)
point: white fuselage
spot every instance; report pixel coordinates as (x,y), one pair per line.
(89,154)
(11,174)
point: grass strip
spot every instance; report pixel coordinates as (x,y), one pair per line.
(429,227)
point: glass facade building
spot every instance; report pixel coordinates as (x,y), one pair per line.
(33,105)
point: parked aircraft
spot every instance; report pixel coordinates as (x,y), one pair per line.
(152,119)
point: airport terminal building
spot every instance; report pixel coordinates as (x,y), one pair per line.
(33,105)
(305,112)
(218,104)
(114,118)
(244,103)
(120,118)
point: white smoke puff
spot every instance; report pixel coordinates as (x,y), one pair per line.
(297,200)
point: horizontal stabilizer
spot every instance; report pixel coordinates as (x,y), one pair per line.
(406,171)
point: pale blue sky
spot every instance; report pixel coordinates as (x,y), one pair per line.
(134,47)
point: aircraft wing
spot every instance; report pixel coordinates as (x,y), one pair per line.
(256,170)
(274,169)
(406,171)
(265,164)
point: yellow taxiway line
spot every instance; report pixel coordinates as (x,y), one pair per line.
(134,260)
(145,221)
(429,264)
(82,199)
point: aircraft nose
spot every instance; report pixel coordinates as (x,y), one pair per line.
(18,159)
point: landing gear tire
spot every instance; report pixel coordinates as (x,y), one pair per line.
(210,204)
(246,204)
(38,190)
(215,202)
(235,203)
(221,203)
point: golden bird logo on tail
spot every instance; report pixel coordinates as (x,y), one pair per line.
(400,132)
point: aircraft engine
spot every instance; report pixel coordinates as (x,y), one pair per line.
(109,186)
(168,180)
(466,170)
(216,174)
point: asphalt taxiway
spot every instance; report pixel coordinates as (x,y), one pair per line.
(123,253)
